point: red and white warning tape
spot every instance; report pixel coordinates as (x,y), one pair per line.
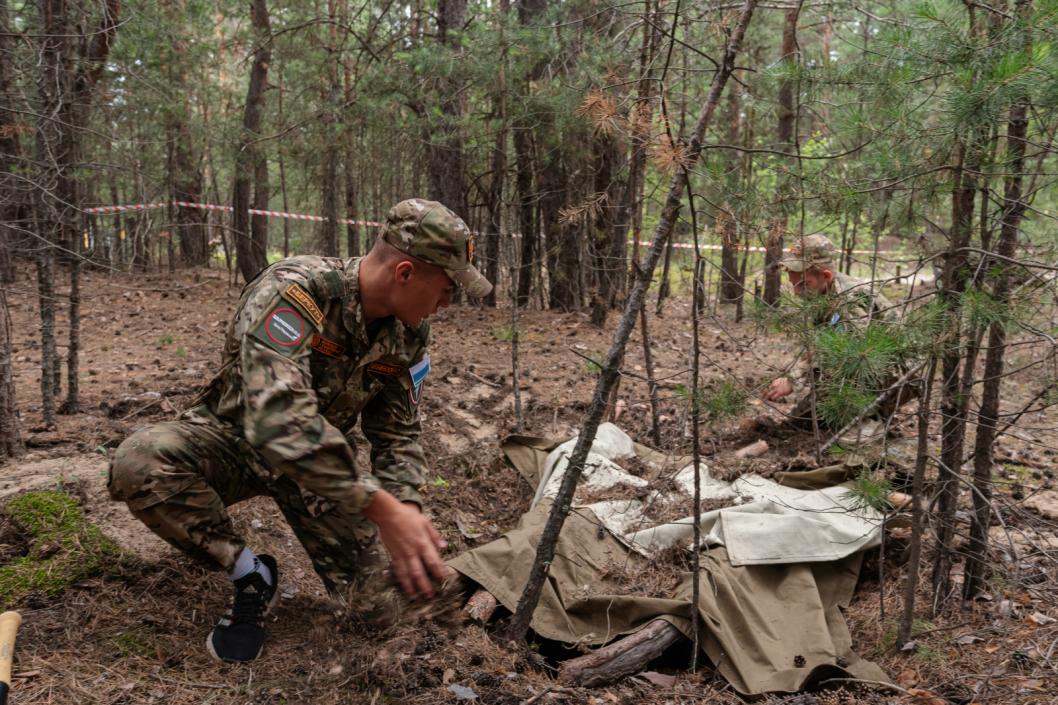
(346,221)
(214,207)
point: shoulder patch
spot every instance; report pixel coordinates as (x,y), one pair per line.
(384,368)
(419,370)
(296,295)
(418,373)
(327,347)
(282,329)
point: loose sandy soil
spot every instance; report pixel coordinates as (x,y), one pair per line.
(135,634)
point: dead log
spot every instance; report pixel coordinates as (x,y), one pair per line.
(753,450)
(481,605)
(622,658)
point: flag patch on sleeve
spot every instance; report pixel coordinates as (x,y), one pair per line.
(418,373)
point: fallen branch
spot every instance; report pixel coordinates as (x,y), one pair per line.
(753,450)
(621,658)
(481,605)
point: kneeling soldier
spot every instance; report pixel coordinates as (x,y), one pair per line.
(315,344)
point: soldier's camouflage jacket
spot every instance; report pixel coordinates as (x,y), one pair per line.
(300,367)
(853,305)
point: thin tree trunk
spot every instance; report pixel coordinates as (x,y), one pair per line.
(519,624)
(352,210)
(14,193)
(72,404)
(787,116)
(329,130)
(917,512)
(252,254)
(648,359)
(283,173)
(499,167)
(183,162)
(49,357)
(1013,209)
(445,158)
(664,285)
(10,427)
(523,161)
(954,402)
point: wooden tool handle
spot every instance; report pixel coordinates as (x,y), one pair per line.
(9,623)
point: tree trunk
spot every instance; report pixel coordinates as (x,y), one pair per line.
(352,211)
(183,162)
(726,222)
(522,135)
(664,285)
(329,131)
(953,401)
(445,159)
(606,269)
(251,252)
(917,511)
(523,160)
(987,417)
(787,117)
(499,167)
(15,196)
(10,427)
(72,404)
(545,553)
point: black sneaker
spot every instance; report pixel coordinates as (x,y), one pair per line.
(240,633)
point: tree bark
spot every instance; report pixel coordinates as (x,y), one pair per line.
(519,624)
(523,161)
(917,511)
(606,268)
(522,136)
(726,223)
(953,401)
(15,196)
(987,417)
(183,160)
(498,169)
(445,158)
(352,210)
(787,117)
(623,657)
(10,427)
(329,129)
(251,251)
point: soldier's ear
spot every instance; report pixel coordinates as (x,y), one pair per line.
(828,274)
(403,271)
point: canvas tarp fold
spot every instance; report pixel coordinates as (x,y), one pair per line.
(770,628)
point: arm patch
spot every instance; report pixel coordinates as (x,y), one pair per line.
(282,328)
(304,303)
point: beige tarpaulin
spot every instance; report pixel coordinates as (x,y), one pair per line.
(770,628)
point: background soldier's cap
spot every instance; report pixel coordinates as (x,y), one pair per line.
(808,252)
(428,231)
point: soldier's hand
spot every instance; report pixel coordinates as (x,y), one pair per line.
(413,544)
(779,388)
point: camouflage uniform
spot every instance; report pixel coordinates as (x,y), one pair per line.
(300,366)
(853,304)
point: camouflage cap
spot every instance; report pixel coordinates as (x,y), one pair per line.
(428,231)
(809,251)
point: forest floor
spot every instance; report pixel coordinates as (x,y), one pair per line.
(134,632)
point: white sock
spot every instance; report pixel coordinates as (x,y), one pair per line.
(248,563)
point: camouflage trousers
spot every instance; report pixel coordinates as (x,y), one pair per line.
(179,477)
